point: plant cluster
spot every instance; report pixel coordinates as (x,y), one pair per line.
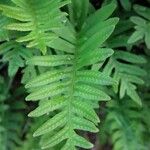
(66,64)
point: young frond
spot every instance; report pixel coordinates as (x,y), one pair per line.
(69,87)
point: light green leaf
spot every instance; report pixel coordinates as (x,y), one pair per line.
(48,106)
(89,92)
(94,77)
(83,124)
(47,91)
(50,61)
(80,141)
(57,121)
(92,57)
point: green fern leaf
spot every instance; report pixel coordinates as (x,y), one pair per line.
(123,125)
(48,107)
(11,120)
(68,86)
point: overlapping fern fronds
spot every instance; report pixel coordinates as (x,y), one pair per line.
(37,19)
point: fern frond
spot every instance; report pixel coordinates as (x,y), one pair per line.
(37,19)
(142,25)
(15,54)
(11,120)
(124,123)
(127,75)
(70,87)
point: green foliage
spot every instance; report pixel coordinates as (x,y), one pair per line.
(4,34)
(35,19)
(127,75)
(126,4)
(71,57)
(15,54)
(69,86)
(11,121)
(142,25)
(30,143)
(124,123)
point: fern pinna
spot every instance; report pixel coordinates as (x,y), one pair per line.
(69,87)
